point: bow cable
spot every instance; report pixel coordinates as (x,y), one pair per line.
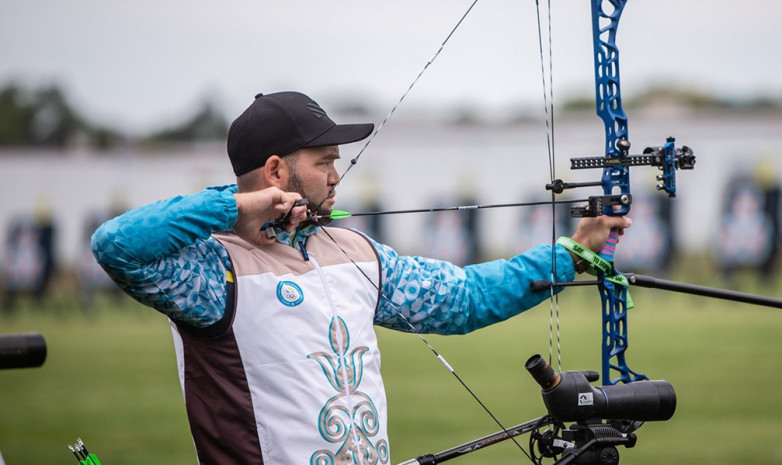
(548,109)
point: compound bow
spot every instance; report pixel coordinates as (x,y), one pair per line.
(568,396)
(616,198)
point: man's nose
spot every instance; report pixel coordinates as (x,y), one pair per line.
(333,178)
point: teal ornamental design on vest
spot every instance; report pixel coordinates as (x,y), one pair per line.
(353,430)
(289,293)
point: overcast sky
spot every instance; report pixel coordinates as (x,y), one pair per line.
(145,63)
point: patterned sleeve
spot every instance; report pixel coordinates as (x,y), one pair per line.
(162,254)
(439,297)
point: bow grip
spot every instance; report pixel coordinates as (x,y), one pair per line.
(609,248)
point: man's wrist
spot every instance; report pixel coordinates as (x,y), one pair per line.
(580,264)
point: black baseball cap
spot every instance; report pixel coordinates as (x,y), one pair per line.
(281,123)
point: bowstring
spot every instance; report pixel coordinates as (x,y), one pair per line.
(548,109)
(550,145)
(354,160)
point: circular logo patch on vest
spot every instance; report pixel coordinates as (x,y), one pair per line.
(289,293)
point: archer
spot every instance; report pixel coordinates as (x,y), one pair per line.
(272,312)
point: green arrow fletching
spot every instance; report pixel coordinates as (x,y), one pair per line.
(339,215)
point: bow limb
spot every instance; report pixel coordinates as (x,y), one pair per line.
(615,180)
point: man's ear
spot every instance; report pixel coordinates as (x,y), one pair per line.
(275,171)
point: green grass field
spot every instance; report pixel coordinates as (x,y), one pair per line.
(110,379)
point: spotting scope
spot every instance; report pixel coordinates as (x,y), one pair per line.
(568,396)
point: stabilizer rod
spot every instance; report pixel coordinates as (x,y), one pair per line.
(656,283)
(472,446)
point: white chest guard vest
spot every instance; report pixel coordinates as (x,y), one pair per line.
(291,375)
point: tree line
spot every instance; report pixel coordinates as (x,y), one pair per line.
(44,118)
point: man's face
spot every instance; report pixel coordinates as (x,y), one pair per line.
(313,175)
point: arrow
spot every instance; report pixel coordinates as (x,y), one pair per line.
(341,214)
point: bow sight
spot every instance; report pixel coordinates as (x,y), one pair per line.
(668,158)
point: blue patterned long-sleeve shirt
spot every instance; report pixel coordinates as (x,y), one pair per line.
(163,255)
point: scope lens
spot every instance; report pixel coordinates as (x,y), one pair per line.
(542,372)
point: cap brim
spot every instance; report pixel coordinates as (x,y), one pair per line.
(342,134)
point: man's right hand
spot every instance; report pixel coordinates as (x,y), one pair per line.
(256,208)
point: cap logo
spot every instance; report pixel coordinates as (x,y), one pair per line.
(316,110)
